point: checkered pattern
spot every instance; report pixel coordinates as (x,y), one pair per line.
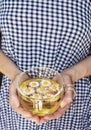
(48,33)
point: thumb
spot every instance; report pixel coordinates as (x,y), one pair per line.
(67,99)
(14,101)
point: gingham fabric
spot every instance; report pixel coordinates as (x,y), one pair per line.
(52,33)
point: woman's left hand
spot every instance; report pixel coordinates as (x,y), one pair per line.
(66,101)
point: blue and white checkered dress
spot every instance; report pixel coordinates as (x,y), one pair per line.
(53,33)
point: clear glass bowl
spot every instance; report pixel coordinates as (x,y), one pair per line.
(38,92)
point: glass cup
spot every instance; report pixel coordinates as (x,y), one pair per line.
(38,92)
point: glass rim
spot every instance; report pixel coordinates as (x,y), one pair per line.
(25,72)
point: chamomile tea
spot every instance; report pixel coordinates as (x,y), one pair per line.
(40,96)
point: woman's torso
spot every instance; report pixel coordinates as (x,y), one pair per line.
(47,33)
(50,33)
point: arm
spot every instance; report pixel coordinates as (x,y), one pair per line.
(7,67)
(79,70)
(70,75)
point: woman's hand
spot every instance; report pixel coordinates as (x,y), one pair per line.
(15,104)
(67,99)
(65,104)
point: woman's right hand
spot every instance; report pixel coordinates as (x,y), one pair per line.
(15,103)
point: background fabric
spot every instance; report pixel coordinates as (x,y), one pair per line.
(48,33)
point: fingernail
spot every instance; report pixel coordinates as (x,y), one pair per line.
(46,118)
(28,115)
(15,101)
(64,103)
(17,104)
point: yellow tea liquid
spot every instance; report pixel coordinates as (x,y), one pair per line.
(40,98)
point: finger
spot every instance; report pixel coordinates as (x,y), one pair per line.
(43,120)
(14,101)
(66,79)
(68,98)
(22,77)
(32,118)
(35,119)
(26,114)
(56,114)
(15,104)
(55,78)
(58,78)
(22,112)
